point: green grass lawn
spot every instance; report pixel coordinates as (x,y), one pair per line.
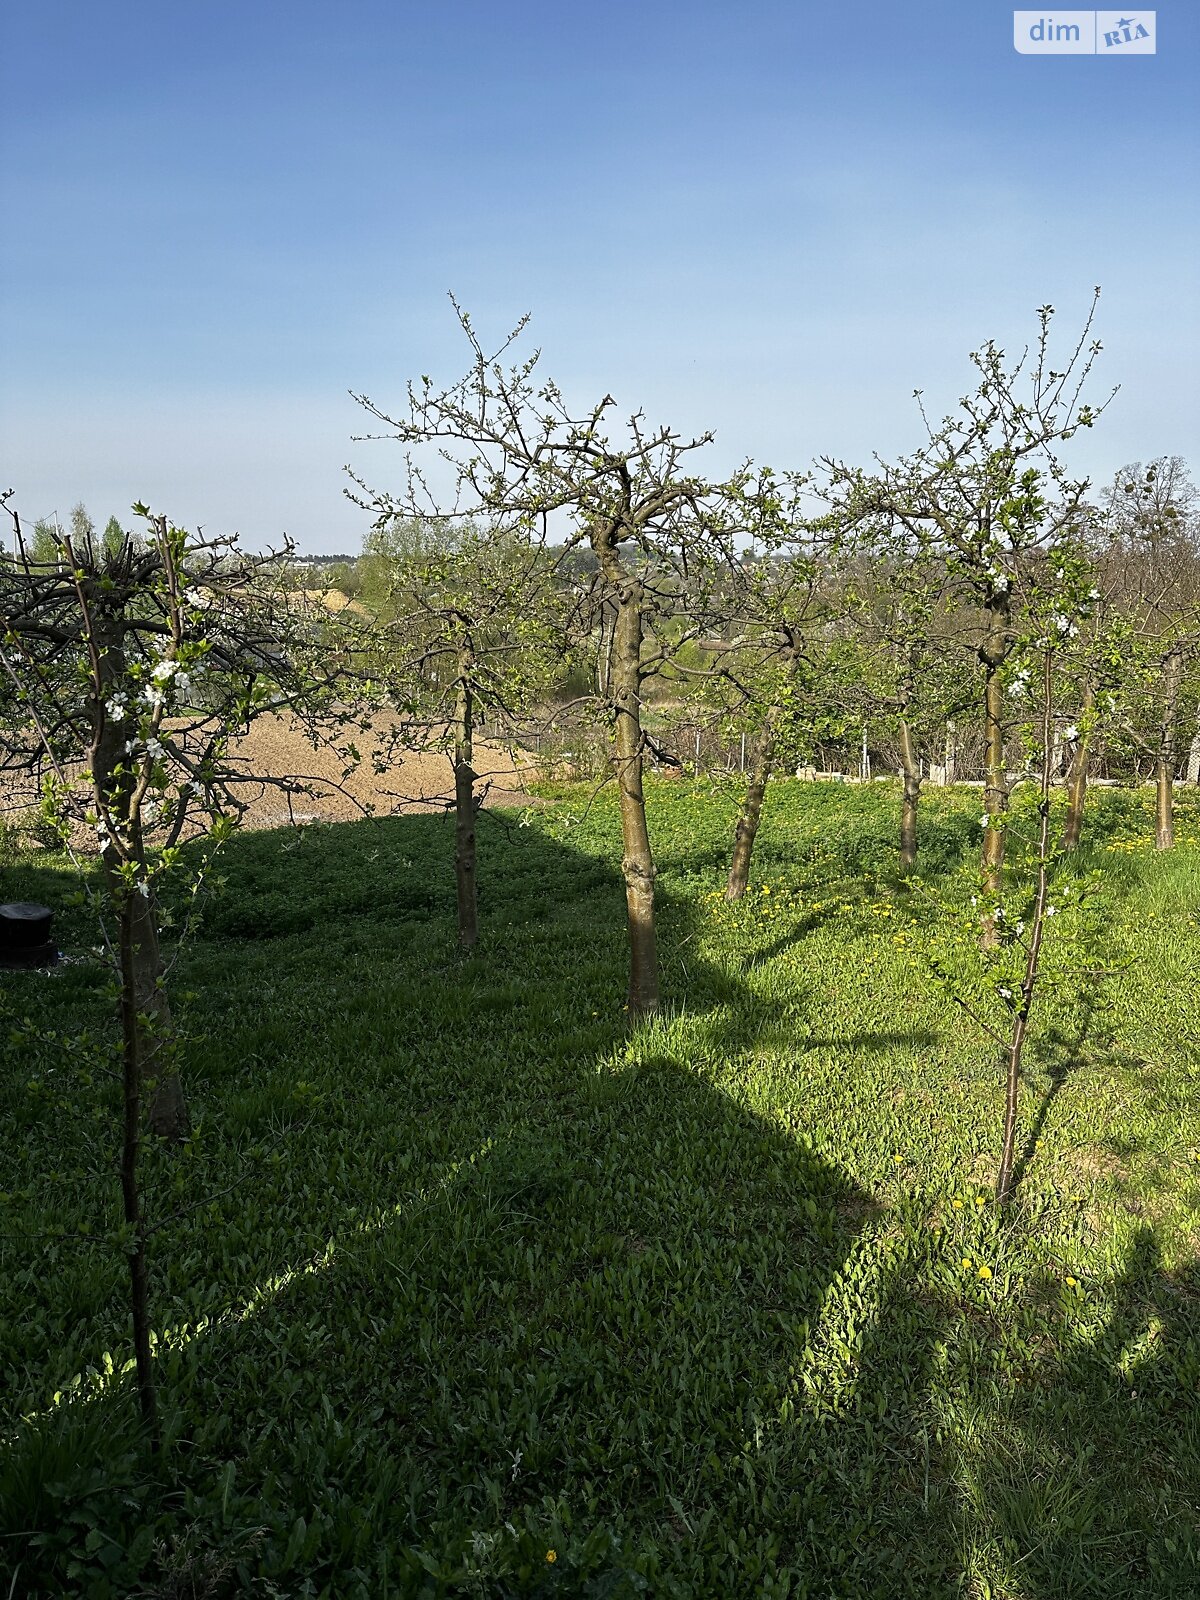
(489,1294)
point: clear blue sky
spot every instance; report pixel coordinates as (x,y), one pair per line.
(772,219)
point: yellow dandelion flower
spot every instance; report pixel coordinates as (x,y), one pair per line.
(967,1263)
(551,1555)
(1072,1283)
(958,1205)
(985,1273)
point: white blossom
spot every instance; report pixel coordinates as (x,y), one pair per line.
(116,708)
(143,889)
(1070,734)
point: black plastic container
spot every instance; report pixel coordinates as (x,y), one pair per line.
(25,935)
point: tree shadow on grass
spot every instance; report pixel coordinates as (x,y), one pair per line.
(764,955)
(486,1275)
(1037,1448)
(1061,1053)
(1092,1487)
(582,1338)
(590,1338)
(500,1280)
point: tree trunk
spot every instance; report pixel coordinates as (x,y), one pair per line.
(166,1109)
(1077,777)
(162,1091)
(995,795)
(139,1292)
(747,824)
(1165,760)
(1024,1002)
(1164,806)
(464,812)
(637,860)
(911,767)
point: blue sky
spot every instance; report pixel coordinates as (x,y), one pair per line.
(775,220)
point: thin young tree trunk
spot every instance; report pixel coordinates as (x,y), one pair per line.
(166,1109)
(951,767)
(747,824)
(1024,1005)
(139,1293)
(162,1090)
(1077,777)
(911,767)
(464,810)
(995,794)
(1164,765)
(637,861)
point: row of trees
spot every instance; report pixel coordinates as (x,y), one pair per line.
(543,563)
(909,599)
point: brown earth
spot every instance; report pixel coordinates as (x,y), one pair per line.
(336,788)
(418,781)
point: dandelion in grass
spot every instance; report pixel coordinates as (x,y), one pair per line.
(552,1556)
(985,1273)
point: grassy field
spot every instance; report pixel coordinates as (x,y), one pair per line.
(489,1294)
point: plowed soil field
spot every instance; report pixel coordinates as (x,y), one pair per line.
(277,747)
